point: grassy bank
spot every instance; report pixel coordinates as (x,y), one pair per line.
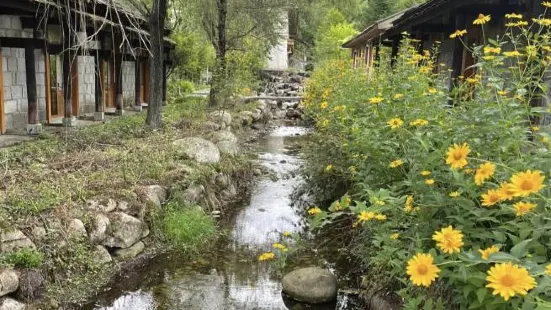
(46,183)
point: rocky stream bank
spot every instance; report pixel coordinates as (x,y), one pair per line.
(112,235)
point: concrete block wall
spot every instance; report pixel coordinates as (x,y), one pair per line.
(86,84)
(128,82)
(10,26)
(15,86)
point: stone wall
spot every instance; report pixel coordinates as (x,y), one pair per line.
(15,86)
(10,26)
(86,85)
(128,80)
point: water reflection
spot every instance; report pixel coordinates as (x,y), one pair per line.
(236,280)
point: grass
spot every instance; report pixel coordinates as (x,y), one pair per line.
(188,228)
(49,180)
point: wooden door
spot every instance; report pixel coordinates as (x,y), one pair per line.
(143,76)
(108,84)
(56,98)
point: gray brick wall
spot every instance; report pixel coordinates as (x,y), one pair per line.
(128,80)
(15,86)
(10,26)
(86,85)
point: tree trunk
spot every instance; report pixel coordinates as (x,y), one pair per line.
(156,61)
(219,73)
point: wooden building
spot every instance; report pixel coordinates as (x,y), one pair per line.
(435,20)
(63,59)
(364,46)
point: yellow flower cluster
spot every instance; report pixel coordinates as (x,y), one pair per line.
(449,240)
(522,184)
(395,123)
(419,122)
(266,256)
(366,216)
(396,163)
(280,247)
(314,211)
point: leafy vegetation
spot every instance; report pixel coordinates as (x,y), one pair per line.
(449,203)
(23,258)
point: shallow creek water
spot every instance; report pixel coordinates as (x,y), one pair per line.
(231,278)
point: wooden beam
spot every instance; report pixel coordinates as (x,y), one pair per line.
(2,114)
(27,6)
(30,72)
(67,77)
(98,78)
(74,83)
(119,102)
(137,84)
(22,42)
(47,78)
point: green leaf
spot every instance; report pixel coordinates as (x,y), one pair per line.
(481,293)
(520,250)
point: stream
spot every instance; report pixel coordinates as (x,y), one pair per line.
(232,278)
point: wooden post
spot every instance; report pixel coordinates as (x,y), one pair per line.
(164,83)
(68,120)
(119,103)
(98,79)
(395,48)
(30,72)
(457,60)
(2,114)
(137,84)
(48,87)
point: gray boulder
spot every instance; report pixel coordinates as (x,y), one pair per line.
(220,117)
(101,255)
(11,241)
(76,229)
(228,148)
(199,149)
(210,126)
(247,117)
(130,252)
(312,285)
(95,205)
(11,304)
(9,282)
(99,229)
(223,135)
(125,231)
(31,286)
(194,193)
(155,195)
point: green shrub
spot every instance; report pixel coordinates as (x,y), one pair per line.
(188,228)
(24,258)
(463,188)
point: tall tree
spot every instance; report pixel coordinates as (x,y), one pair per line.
(156,59)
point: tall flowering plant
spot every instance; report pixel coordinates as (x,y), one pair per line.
(449,191)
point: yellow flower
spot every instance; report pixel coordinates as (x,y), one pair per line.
(314,211)
(398,96)
(279,246)
(380,217)
(376,100)
(380,202)
(395,123)
(523,208)
(421,270)
(489,251)
(432,90)
(429,182)
(426,173)
(482,19)
(548,270)
(454,194)
(458,33)
(492,50)
(535,128)
(517,24)
(328,168)
(397,235)
(323,105)
(512,54)
(286,233)
(492,197)
(457,155)
(449,240)
(526,183)
(508,280)
(396,163)
(513,16)
(408,207)
(419,122)
(502,93)
(546,4)
(484,172)
(365,216)
(505,191)
(266,256)
(488,58)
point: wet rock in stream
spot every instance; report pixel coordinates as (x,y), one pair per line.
(313,285)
